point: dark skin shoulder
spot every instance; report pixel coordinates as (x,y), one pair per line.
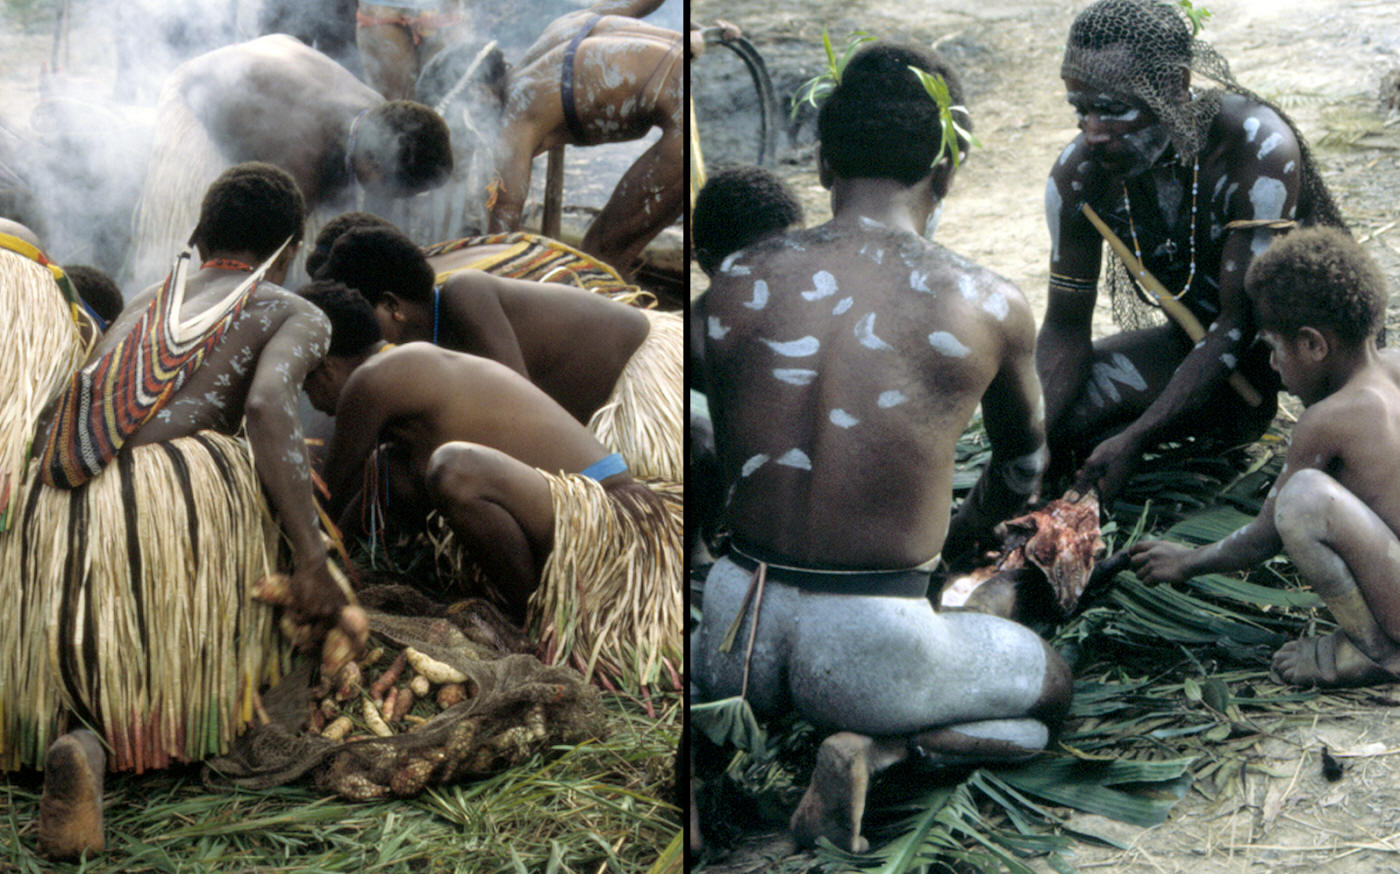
(570,343)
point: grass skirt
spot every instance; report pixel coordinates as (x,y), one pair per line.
(131,606)
(644,416)
(39,348)
(609,599)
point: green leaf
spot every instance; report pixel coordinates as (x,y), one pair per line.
(730,721)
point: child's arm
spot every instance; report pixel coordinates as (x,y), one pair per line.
(1158,561)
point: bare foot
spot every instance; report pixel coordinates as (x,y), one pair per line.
(834,802)
(70,810)
(1329,660)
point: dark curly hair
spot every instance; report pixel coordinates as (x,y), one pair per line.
(252,206)
(332,231)
(1318,277)
(374,261)
(880,122)
(98,290)
(739,206)
(354,329)
(410,143)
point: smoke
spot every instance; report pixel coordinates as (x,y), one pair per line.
(77,115)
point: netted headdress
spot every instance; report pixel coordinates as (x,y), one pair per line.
(1139,48)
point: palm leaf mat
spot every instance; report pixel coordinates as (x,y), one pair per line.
(1171,696)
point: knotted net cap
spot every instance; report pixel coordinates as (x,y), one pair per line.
(1138,49)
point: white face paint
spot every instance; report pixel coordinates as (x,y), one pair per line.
(1228,360)
(1270,143)
(1120,370)
(1288,168)
(842,305)
(947,344)
(795,458)
(825,286)
(760,295)
(753,464)
(1234,334)
(1230,266)
(918,280)
(800,348)
(874,253)
(1053,204)
(1251,129)
(716,330)
(891,398)
(865,333)
(870,222)
(794,375)
(842,419)
(1064,156)
(997,306)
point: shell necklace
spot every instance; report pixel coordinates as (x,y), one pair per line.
(1171,246)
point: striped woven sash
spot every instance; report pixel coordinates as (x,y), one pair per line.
(110,399)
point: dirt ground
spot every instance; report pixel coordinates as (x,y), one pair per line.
(1324,63)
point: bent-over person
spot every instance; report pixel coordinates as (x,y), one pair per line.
(154,465)
(616,368)
(567,541)
(1335,509)
(1195,182)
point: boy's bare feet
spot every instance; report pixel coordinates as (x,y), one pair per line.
(70,810)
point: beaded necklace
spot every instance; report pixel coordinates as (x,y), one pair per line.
(1191,274)
(226,264)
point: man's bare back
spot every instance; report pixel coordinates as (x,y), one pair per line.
(420,396)
(570,344)
(844,429)
(277,100)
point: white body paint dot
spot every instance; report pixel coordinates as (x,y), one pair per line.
(794,375)
(842,419)
(800,348)
(891,398)
(760,295)
(716,330)
(753,464)
(842,305)
(865,333)
(795,458)
(825,286)
(947,344)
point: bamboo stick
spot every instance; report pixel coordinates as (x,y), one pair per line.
(1173,307)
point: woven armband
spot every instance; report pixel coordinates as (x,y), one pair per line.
(1073,283)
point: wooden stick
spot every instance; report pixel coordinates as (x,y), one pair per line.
(1173,307)
(553,194)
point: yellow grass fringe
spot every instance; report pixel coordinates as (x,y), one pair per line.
(644,416)
(609,599)
(39,348)
(146,630)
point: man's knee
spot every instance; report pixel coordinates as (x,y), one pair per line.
(1056,690)
(457,473)
(1301,507)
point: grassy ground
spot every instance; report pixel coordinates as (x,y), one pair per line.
(609,805)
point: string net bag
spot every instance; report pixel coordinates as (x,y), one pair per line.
(1139,49)
(515,707)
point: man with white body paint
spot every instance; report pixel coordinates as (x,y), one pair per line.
(843,362)
(594,77)
(1196,183)
(1336,506)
